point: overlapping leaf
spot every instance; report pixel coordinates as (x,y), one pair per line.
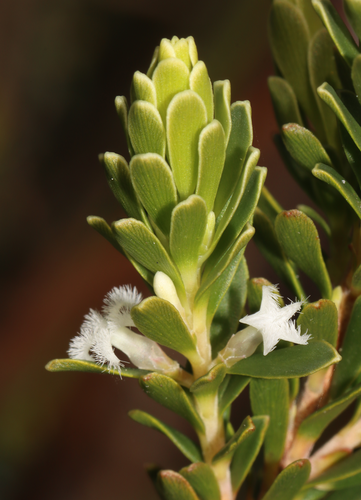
(270,397)
(160,321)
(182,442)
(300,241)
(290,362)
(202,479)
(170,394)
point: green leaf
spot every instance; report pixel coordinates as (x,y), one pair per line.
(229,431)
(313,426)
(153,63)
(209,383)
(77,365)
(246,454)
(246,428)
(234,387)
(104,229)
(300,241)
(222,105)
(289,37)
(289,482)
(118,177)
(313,21)
(352,152)
(294,388)
(333,178)
(271,397)
(290,362)
(320,320)
(312,495)
(328,94)
(146,249)
(302,176)
(143,88)
(193,54)
(170,77)
(188,225)
(322,67)
(174,487)
(226,301)
(189,449)
(356,279)
(240,216)
(181,49)
(225,261)
(170,394)
(337,29)
(186,117)
(199,82)
(240,139)
(316,217)
(146,129)
(269,205)
(160,321)
(349,368)
(121,105)
(155,187)
(284,101)
(303,146)
(231,207)
(202,479)
(166,50)
(212,153)
(267,242)
(345,474)
(353,13)
(232,232)
(356,76)
(348,494)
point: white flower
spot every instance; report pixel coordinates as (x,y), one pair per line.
(274,322)
(101,332)
(270,324)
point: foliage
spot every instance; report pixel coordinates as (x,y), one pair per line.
(195,197)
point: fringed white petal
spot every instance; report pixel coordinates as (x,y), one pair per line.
(293,334)
(103,350)
(93,342)
(118,304)
(81,345)
(269,304)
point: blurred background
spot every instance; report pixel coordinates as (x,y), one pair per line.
(62,64)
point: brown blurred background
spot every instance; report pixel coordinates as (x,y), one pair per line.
(68,436)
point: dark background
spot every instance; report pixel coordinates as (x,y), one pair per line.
(68,436)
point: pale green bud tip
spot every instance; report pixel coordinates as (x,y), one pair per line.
(184,49)
(337,295)
(164,288)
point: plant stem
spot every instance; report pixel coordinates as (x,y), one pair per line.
(213,440)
